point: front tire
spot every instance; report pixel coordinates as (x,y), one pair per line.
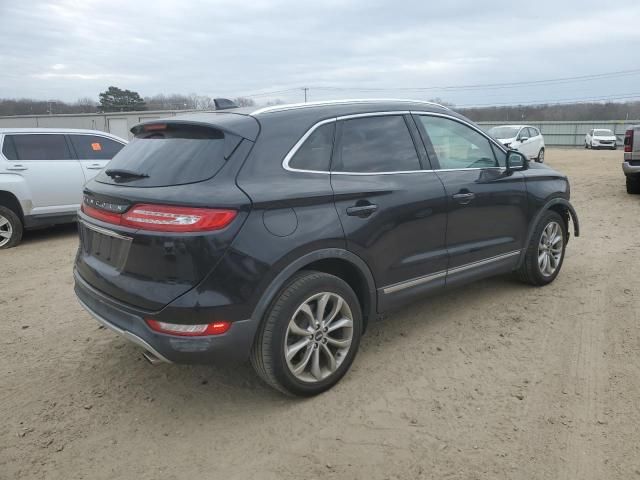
(540,157)
(545,253)
(633,185)
(10,228)
(310,335)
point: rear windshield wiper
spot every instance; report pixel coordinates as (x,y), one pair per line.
(119,173)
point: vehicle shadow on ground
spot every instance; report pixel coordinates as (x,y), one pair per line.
(237,388)
(46,234)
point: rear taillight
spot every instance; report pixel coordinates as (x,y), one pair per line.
(201,330)
(166,218)
(177,219)
(628,141)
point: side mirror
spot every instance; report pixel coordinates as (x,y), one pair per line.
(516,161)
(524,139)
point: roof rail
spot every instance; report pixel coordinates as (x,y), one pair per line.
(293,106)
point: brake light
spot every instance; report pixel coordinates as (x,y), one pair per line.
(177,219)
(628,140)
(201,330)
(155,127)
(166,218)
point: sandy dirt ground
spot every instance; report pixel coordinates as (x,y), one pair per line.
(494,381)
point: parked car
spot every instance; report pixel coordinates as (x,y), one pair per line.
(279,233)
(631,164)
(524,138)
(42,171)
(600,138)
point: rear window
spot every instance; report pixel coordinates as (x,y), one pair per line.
(163,155)
(36,147)
(94,147)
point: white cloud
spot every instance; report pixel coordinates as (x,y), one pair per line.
(69,49)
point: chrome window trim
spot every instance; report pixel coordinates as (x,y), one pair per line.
(298,144)
(396,287)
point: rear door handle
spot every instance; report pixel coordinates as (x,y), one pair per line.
(362,210)
(17,167)
(464,198)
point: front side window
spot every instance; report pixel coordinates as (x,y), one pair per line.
(36,147)
(93,147)
(315,152)
(457,145)
(376,144)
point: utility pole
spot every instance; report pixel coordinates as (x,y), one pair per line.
(306,89)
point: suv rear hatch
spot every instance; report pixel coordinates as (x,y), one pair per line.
(162,214)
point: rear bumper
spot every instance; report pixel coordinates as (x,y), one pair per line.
(629,169)
(230,347)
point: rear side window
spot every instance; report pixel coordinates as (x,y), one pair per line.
(315,152)
(170,154)
(8,149)
(36,147)
(93,147)
(376,144)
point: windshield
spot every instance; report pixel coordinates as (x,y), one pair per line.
(504,132)
(603,133)
(168,155)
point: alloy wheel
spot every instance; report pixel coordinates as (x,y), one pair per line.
(6,230)
(550,249)
(318,337)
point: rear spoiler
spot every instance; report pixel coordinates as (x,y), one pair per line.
(244,126)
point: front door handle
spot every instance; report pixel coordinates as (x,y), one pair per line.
(94,166)
(464,198)
(362,211)
(17,167)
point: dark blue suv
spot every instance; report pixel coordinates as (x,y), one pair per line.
(278,234)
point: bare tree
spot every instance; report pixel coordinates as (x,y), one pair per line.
(244,102)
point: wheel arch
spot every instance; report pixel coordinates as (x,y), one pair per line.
(563,207)
(10,201)
(335,261)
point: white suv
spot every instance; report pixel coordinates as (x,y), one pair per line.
(600,138)
(42,172)
(526,139)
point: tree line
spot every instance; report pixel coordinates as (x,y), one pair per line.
(115,99)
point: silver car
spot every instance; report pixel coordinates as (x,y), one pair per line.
(42,172)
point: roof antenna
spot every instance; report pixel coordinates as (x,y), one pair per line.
(224,103)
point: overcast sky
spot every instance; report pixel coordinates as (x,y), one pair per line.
(71,49)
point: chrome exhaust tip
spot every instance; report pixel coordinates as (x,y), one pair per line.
(151,358)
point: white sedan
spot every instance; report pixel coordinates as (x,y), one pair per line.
(600,138)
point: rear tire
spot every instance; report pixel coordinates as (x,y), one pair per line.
(545,253)
(300,349)
(633,185)
(10,228)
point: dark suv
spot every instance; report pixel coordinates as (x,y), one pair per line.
(278,234)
